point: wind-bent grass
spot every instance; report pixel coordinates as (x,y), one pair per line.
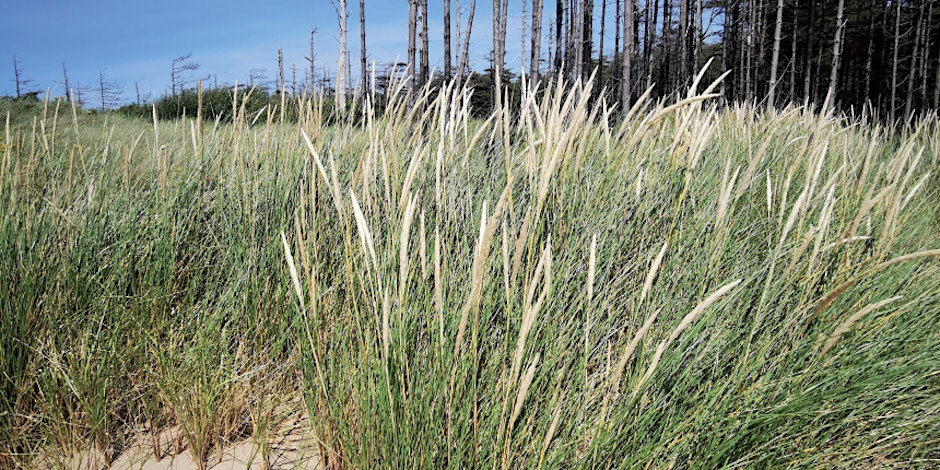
(550,287)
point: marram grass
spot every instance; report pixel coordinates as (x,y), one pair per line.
(551,287)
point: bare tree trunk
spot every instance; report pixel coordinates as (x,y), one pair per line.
(496,65)
(664,63)
(425,52)
(728,50)
(870,51)
(936,86)
(68,89)
(626,84)
(750,53)
(587,38)
(793,36)
(894,61)
(412,46)
(524,31)
(912,75)
(559,21)
(696,36)
(574,39)
(341,66)
(618,17)
(465,58)
(503,24)
(16,75)
(536,41)
(280,70)
(683,78)
(600,47)
(313,67)
(447,56)
(925,56)
(808,58)
(836,53)
(550,60)
(363,65)
(651,16)
(776,56)
(457,52)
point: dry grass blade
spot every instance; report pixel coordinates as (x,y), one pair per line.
(832,295)
(651,275)
(550,433)
(849,322)
(295,279)
(365,236)
(686,321)
(524,385)
(617,371)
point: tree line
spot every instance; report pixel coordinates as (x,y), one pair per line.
(872,55)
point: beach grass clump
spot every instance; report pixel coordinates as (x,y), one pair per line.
(559,284)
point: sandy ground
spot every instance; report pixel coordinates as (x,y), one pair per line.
(292,448)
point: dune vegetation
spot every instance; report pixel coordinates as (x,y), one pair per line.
(561,284)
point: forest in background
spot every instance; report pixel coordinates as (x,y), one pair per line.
(872,56)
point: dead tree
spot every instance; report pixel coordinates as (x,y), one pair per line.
(425,53)
(341,15)
(108,91)
(178,68)
(774,61)
(536,41)
(363,72)
(447,41)
(465,58)
(21,83)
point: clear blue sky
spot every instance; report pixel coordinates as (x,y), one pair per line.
(135,41)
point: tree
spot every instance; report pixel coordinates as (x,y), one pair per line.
(836,52)
(666,48)
(425,53)
(257,78)
(649,40)
(412,31)
(108,91)
(499,38)
(341,15)
(912,75)
(684,37)
(587,35)
(697,38)
(21,83)
(447,52)
(559,20)
(894,61)
(65,83)
(600,46)
(807,58)
(729,43)
(363,66)
(312,62)
(522,44)
(179,67)
(776,56)
(575,39)
(465,58)
(280,71)
(626,84)
(536,41)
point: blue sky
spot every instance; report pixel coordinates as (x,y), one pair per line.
(135,41)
